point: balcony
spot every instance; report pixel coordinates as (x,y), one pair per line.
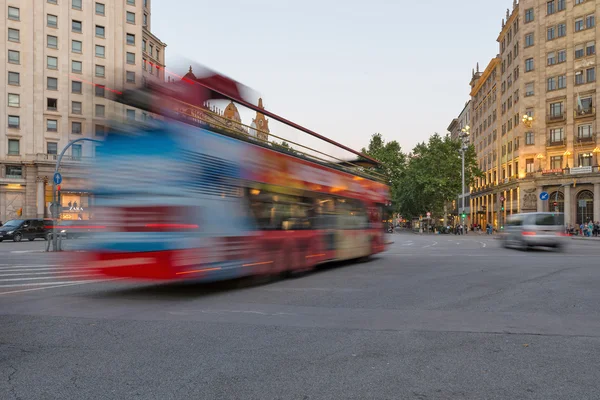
(556,117)
(585,112)
(42,157)
(586,139)
(556,143)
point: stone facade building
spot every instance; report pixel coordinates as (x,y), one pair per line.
(543,138)
(61,59)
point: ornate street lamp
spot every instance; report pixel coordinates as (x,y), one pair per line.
(464,136)
(567,154)
(527,120)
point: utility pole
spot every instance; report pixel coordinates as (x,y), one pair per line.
(464,146)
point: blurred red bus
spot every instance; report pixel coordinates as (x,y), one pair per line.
(178,201)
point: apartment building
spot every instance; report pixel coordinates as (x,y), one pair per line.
(61,59)
(546,141)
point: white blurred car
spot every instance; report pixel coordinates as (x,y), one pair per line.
(539,229)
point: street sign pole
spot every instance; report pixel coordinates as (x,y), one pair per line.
(55,182)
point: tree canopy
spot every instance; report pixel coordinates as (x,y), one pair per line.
(427,178)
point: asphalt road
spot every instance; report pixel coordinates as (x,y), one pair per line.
(435,317)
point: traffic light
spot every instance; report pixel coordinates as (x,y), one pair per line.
(555,204)
(463,215)
(502,208)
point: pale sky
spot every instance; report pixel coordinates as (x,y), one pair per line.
(345,69)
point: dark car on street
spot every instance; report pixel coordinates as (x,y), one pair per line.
(19,229)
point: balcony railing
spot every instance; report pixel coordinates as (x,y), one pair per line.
(556,117)
(586,139)
(585,112)
(66,158)
(555,142)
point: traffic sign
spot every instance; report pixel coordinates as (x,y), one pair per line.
(502,198)
(57,178)
(544,196)
(429,214)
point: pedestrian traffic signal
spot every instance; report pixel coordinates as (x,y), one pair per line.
(502,208)
(463,215)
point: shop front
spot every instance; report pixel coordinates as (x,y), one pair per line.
(75,200)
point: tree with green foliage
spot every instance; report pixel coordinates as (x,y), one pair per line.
(393,163)
(433,176)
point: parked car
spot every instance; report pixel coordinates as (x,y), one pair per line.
(19,229)
(539,229)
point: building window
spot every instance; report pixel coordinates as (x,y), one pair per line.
(51,104)
(14,78)
(145,19)
(14,57)
(562,81)
(131,115)
(76,87)
(550,7)
(556,162)
(14,171)
(551,58)
(100,110)
(562,30)
(551,84)
(590,21)
(14,100)
(99,9)
(529,65)
(76,151)
(76,67)
(529,40)
(100,70)
(529,15)
(130,58)
(14,121)
(551,33)
(52,148)
(590,49)
(529,89)
(53,1)
(52,125)
(13,149)
(14,13)
(99,130)
(590,74)
(76,46)
(99,91)
(144,45)
(560,6)
(99,31)
(131,2)
(158,56)
(76,4)
(76,127)
(584,131)
(529,165)
(130,77)
(585,159)
(151,52)
(556,109)
(14,35)
(51,62)
(76,107)
(76,26)
(130,17)
(52,83)
(562,56)
(52,21)
(556,135)
(578,24)
(131,38)
(52,42)
(100,51)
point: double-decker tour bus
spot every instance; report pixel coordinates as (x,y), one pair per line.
(181,198)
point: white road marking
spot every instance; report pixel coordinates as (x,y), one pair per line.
(28,266)
(430,245)
(58,269)
(56,285)
(43,277)
(483,244)
(54,272)
(48,283)
(27,251)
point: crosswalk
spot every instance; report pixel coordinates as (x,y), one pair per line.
(23,278)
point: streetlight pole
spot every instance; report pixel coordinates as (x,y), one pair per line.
(54,185)
(464,136)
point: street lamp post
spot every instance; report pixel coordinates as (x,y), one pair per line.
(464,136)
(596,151)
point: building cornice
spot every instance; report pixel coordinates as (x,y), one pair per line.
(509,23)
(148,33)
